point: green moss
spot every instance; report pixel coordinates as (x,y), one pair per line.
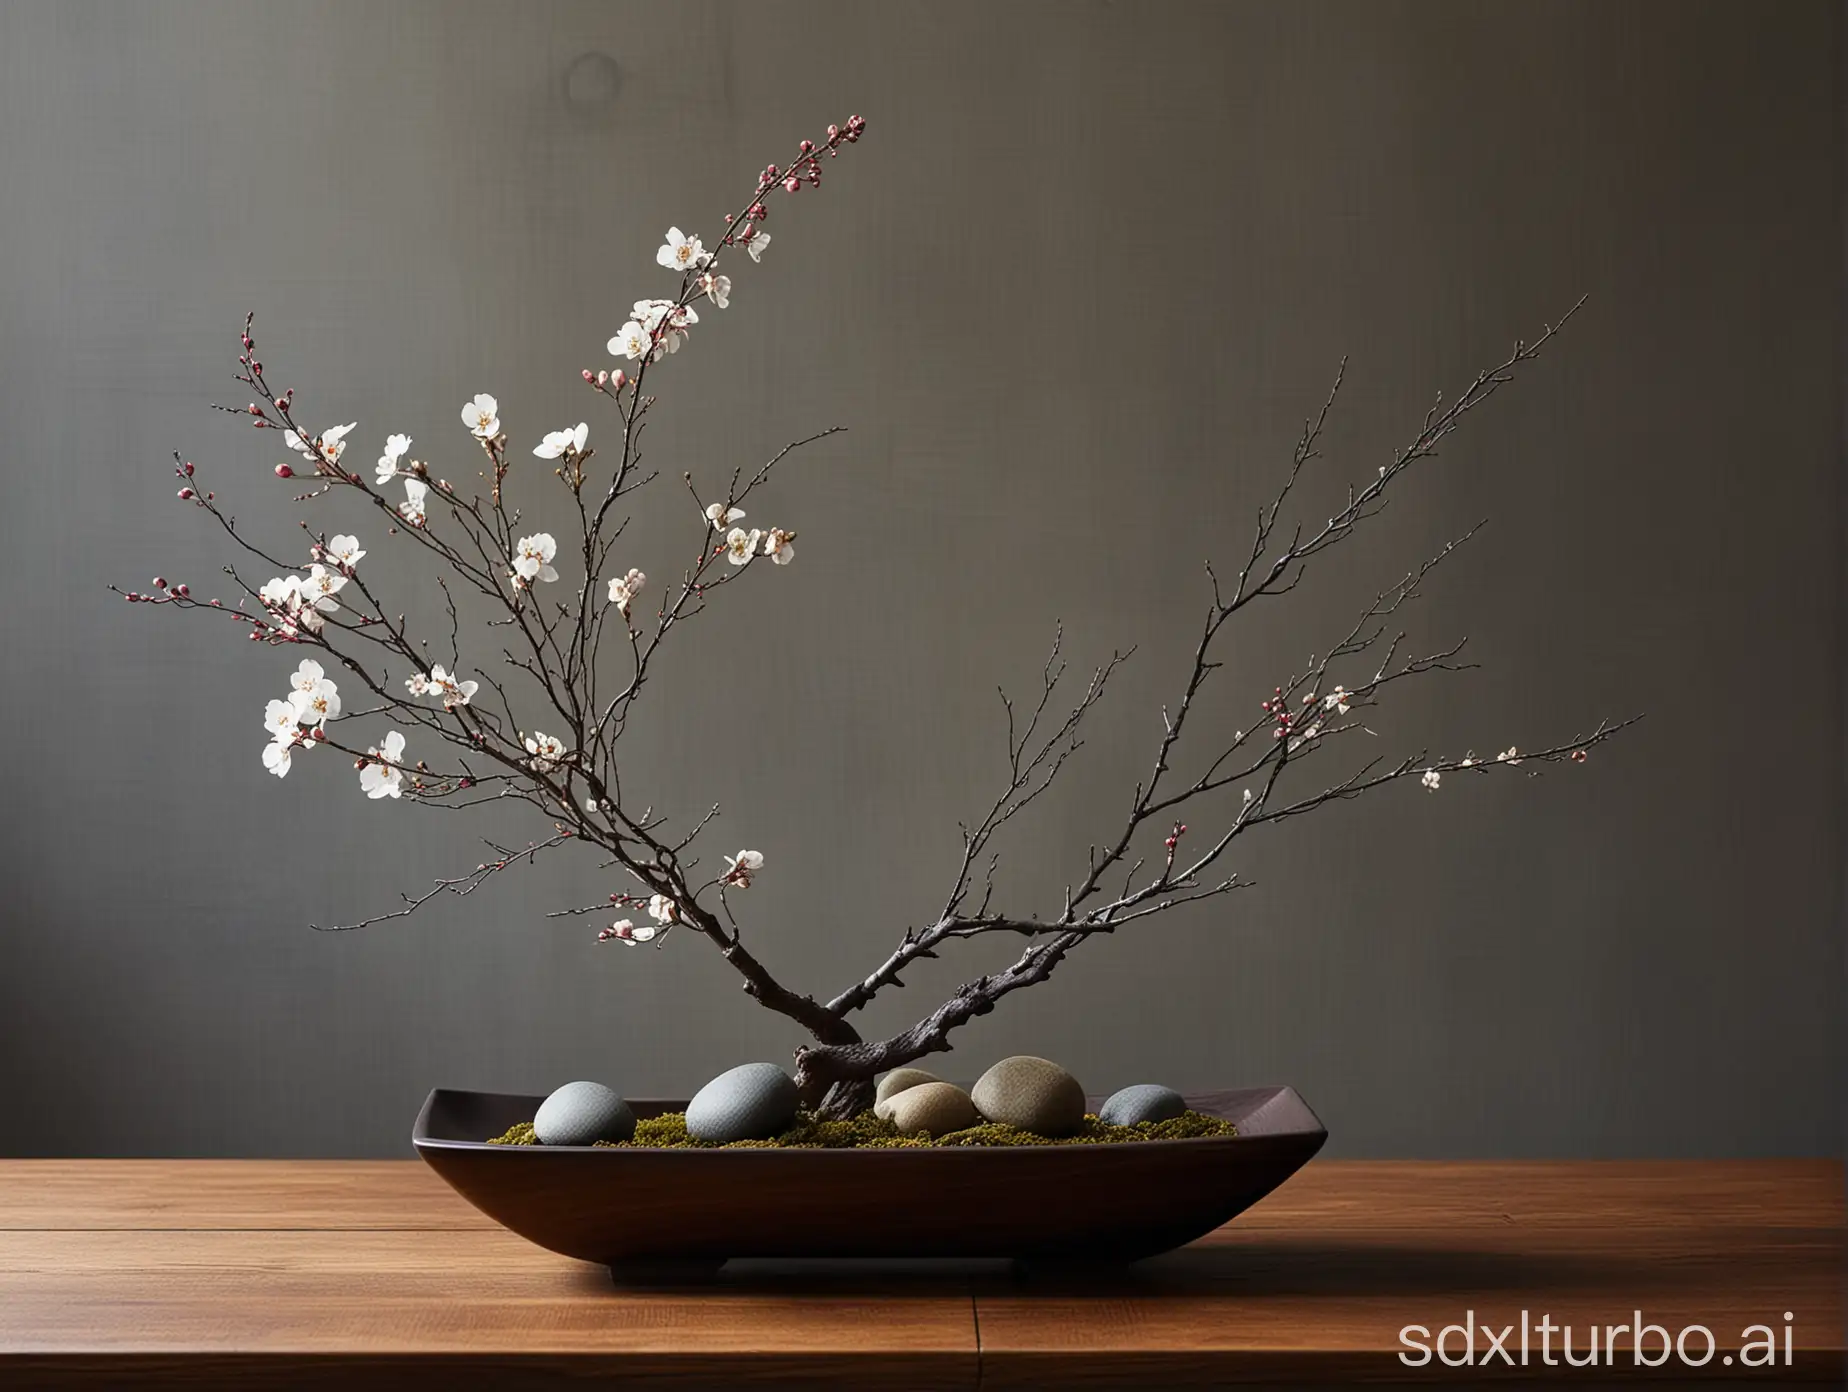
(868,1132)
(1094,1132)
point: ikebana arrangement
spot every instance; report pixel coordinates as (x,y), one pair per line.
(534,708)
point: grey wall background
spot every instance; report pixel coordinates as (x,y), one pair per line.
(1072,297)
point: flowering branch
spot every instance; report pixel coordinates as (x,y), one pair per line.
(542,723)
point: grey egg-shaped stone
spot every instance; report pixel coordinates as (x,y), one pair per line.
(901,1078)
(1032,1093)
(751,1102)
(935,1108)
(1141,1102)
(583,1114)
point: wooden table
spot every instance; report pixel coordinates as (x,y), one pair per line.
(311,1273)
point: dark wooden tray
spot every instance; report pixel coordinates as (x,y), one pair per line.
(677,1214)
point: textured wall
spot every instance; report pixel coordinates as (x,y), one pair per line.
(1072,297)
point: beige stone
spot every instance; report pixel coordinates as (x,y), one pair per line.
(1034,1094)
(935,1107)
(901,1078)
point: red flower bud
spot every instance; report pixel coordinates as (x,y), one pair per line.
(589,376)
(159,583)
(284,471)
(186,492)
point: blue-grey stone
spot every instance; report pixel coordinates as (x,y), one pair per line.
(751,1102)
(1142,1102)
(583,1114)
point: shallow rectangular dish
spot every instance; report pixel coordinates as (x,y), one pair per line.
(653,1214)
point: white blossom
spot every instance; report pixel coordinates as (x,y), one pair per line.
(317,704)
(532,559)
(482,416)
(412,508)
(279,719)
(1338,700)
(383,775)
(655,328)
(453,691)
(1510,755)
(1431,779)
(661,909)
(278,753)
(344,550)
(418,683)
(625,588)
(643,932)
(741,867)
(651,314)
(562,442)
(631,341)
(680,252)
(755,244)
(717,288)
(546,750)
(396,446)
(284,593)
(307,676)
(329,445)
(721,516)
(314,699)
(321,586)
(741,545)
(779,545)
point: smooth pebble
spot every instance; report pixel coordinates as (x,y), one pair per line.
(582,1114)
(935,1108)
(751,1102)
(1141,1102)
(901,1078)
(1032,1093)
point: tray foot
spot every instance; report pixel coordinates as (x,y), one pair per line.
(666,1271)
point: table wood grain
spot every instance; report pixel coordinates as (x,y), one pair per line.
(320,1273)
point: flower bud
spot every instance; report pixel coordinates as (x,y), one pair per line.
(791,184)
(159,583)
(618,379)
(186,492)
(188,467)
(589,376)
(283,471)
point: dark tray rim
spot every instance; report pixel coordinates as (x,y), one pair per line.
(646,1107)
